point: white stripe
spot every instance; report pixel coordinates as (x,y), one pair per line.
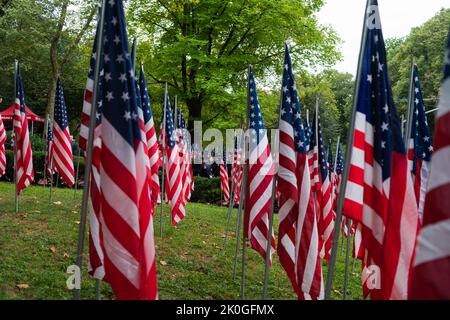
(120,257)
(354,192)
(374,222)
(120,201)
(439,174)
(433,242)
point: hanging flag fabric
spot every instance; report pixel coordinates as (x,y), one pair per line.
(420,144)
(24,154)
(298,238)
(172,166)
(2,148)
(49,147)
(184,147)
(379,192)
(259,178)
(224,183)
(150,133)
(61,151)
(323,189)
(237,170)
(123,203)
(432,263)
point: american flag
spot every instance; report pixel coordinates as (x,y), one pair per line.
(323,189)
(184,147)
(224,183)
(298,238)
(49,147)
(432,263)
(152,142)
(61,151)
(96,255)
(259,179)
(237,171)
(24,154)
(2,148)
(420,144)
(379,192)
(172,166)
(125,207)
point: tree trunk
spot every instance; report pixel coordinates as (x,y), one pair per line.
(49,111)
(194,105)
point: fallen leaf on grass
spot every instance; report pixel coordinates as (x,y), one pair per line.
(57,203)
(66,255)
(163,263)
(22,286)
(23,215)
(204,242)
(53,249)
(77,222)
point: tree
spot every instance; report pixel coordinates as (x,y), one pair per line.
(202,48)
(426,45)
(45,36)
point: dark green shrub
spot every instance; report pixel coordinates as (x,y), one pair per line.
(206,190)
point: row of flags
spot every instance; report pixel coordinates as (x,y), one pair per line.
(386,187)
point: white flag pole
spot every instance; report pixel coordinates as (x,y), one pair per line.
(348,153)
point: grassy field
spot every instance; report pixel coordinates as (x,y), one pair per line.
(40,242)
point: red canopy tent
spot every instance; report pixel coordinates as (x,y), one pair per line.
(7,115)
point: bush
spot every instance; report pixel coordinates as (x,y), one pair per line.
(206,190)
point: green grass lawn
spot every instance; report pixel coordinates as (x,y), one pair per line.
(40,242)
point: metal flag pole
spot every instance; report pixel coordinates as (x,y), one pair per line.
(276,149)
(76,175)
(246,154)
(402,117)
(348,153)
(230,207)
(50,195)
(163,147)
(347,252)
(88,163)
(409,118)
(431,111)
(239,215)
(16,196)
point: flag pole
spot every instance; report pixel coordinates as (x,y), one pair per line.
(409,119)
(51,183)
(239,216)
(163,144)
(347,251)
(348,153)
(276,146)
(244,186)
(230,207)
(76,175)
(16,65)
(88,163)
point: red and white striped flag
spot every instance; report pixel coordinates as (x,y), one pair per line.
(379,192)
(323,188)
(420,144)
(24,154)
(431,278)
(298,238)
(121,172)
(224,183)
(173,167)
(152,142)
(61,149)
(237,170)
(2,148)
(259,178)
